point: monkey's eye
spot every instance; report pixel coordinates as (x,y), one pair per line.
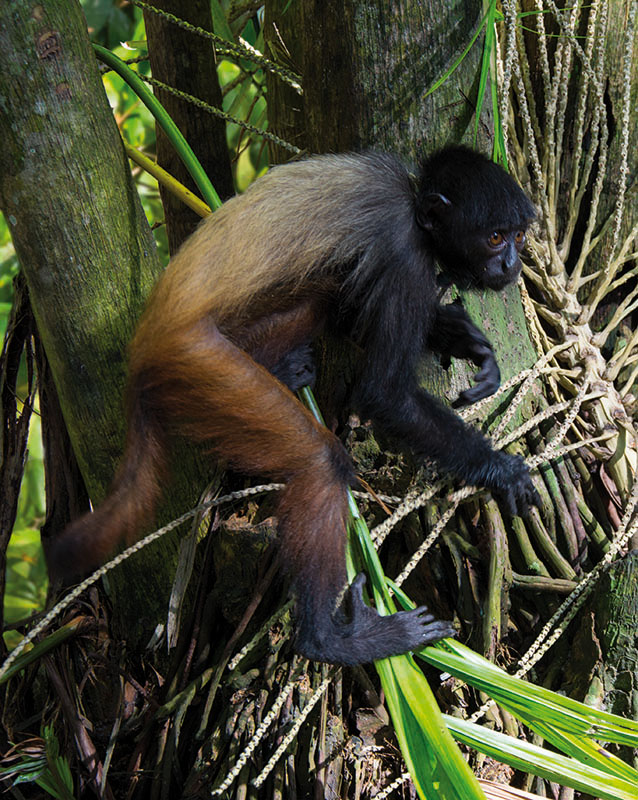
(519,237)
(496,239)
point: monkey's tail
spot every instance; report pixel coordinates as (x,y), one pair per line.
(128,508)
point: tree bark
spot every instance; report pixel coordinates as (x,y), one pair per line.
(600,662)
(85,249)
(615,608)
(186,62)
(366,69)
(77,225)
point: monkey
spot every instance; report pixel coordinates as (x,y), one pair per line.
(347,244)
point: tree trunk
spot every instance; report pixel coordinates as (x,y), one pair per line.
(600,660)
(77,225)
(186,62)
(85,249)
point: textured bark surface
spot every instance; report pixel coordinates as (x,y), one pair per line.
(616,613)
(366,69)
(76,222)
(84,246)
(186,62)
(600,667)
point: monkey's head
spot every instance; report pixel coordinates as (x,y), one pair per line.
(475,216)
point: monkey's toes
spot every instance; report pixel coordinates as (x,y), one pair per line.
(421,628)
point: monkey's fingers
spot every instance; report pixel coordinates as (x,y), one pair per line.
(532,497)
(297,368)
(415,629)
(486,382)
(526,495)
(507,500)
(518,498)
(475,393)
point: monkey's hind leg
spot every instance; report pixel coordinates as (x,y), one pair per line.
(313,519)
(227,400)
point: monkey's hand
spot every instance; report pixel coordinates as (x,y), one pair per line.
(487,379)
(513,485)
(455,335)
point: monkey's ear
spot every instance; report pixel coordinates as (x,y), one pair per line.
(430,208)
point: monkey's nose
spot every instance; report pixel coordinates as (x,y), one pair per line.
(511,264)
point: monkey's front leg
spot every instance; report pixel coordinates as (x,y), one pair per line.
(426,427)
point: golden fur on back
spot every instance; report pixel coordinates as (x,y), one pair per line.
(321,216)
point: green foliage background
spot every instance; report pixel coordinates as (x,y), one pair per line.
(26,573)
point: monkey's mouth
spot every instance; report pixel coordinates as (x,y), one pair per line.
(499,280)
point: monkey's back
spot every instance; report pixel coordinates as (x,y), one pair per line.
(294,226)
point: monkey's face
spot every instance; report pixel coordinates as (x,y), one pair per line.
(476,217)
(496,258)
(483,259)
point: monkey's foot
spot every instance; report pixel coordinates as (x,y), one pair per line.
(366,636)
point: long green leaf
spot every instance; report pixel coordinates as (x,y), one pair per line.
(492,15)
(220,23)
(458,61)
(434,761)
(174,134)
(43,647)
(540,761)
(586,751)
(535,702)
